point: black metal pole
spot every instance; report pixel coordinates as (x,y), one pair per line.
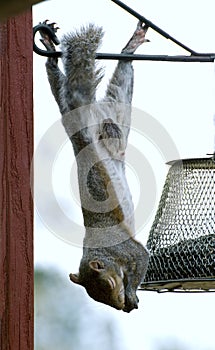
(164,58)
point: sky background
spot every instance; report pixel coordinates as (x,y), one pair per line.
(180,98)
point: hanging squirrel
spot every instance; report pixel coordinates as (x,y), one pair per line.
(114,263)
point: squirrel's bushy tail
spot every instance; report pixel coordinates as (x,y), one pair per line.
(79,51)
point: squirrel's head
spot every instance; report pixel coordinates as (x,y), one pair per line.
(102,283)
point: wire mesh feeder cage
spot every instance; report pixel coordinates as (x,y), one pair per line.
(182,238)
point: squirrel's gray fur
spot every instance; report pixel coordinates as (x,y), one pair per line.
(113,262)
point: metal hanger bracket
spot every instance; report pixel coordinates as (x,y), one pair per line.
(193,57)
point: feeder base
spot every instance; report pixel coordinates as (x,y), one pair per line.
(197,285)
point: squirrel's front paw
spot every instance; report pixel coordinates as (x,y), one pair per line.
(131,302)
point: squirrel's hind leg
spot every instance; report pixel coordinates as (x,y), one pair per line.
(120,88)
(55,76)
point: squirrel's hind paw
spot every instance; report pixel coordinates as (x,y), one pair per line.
(47,40)
(137,38)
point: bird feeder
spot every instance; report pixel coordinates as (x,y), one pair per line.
(182,238)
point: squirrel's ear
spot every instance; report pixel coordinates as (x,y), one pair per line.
(74,277)
(96,265)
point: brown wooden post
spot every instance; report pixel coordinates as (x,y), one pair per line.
(16,209)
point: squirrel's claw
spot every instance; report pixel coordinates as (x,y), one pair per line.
(141,25)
